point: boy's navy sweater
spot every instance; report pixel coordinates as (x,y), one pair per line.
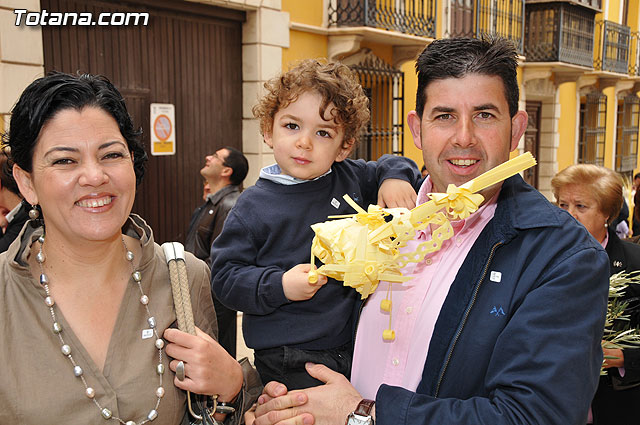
(268,232)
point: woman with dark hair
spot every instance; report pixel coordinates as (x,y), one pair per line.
(593,195)
(88,319)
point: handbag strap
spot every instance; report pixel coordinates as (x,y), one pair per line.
(251,385)
(174,254)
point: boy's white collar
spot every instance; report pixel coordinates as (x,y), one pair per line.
(273,172)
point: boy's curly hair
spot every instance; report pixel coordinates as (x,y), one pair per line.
(335,82)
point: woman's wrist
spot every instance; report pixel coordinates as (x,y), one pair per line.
(228,405)
(234,386)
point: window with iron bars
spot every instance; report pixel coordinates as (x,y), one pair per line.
(478,18)
(593,114)
(384,85)
(627,135)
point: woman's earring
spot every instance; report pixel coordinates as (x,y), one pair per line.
(34,214)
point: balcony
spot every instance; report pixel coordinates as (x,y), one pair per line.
(634,63)
(559,32)
(475,18)
(589,4)
(414,17)
(613,47)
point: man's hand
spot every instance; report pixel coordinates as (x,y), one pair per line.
(613,352)
(327,404)
(296,286)
(395,193)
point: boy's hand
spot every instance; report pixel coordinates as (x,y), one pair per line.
(295,283)
(395,193)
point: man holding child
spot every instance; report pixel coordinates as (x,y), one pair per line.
(503,324)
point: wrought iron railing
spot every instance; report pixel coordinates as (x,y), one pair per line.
(591,140)
(476,18)
(614,41)
(559,32)
(416,17)
(462,18)
(634,63)
(384,85)
(501,17)
(594,4)
(627,134)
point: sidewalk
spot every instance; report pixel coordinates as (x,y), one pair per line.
(241,348)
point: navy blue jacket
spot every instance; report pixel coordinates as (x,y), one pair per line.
(268,232)
(518,338)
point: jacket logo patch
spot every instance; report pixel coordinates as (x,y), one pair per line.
(495,276)
(617,263)
(497,311)
(335,203)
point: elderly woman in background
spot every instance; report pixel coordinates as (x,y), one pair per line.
(87,311)
(593,195)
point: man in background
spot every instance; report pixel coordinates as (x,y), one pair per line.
(224,172)
(14,211)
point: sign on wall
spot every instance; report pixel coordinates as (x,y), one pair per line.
(163,129)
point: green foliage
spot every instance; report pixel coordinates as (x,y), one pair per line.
(617,330)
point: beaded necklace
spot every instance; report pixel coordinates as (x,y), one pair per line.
(66,349)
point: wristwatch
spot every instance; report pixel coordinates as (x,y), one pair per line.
(362,414)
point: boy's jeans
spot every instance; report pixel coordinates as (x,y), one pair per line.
(286,364)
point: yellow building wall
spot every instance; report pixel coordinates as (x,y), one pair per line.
(568,100)
(440,23)
(612,108)
(634,14)
(303,45)
(520,78)
(383,51)
(410,87)
(308,12)
(613,10)
(597,39)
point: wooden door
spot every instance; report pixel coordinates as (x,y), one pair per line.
(532,140)
(189,55)
(462,14)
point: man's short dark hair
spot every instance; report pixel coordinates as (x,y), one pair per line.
(459,57)
(637,176)
(238,163)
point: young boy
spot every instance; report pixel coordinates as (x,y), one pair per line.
(311,117)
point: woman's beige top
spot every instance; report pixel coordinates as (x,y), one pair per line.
(37,384)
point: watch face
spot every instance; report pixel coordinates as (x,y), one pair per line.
(355,419)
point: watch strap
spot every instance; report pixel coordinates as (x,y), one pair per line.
(364,407)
